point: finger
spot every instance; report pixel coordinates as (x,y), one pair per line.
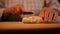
(55,15)
(42,13)
(50,15)
(22,8)
(9,10)
(46,14)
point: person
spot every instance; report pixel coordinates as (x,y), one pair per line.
(28,5)
(13,13)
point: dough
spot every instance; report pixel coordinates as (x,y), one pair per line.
(32,19)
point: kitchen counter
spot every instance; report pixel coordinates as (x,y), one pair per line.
(21,26)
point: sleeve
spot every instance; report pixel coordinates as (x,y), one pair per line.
(57,4)
(56,1)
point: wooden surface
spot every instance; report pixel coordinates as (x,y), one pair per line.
(20,25)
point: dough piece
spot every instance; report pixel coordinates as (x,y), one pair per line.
(32,20)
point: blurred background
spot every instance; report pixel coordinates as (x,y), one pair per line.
(9,3)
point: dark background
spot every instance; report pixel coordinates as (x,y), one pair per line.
(34,31)
(59,1)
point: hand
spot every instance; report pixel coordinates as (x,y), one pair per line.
(16,10)
(12,12)
(48,14)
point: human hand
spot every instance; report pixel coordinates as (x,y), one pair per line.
(12,12)
(48,14)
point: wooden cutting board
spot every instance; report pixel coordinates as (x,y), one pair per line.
(20,25)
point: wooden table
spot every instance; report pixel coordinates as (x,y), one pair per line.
(20,25)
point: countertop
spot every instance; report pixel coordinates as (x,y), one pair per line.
(20,25)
